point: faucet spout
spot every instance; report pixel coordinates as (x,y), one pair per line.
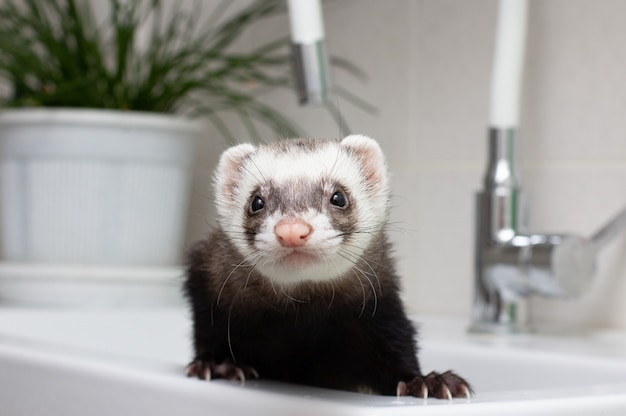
(309,56)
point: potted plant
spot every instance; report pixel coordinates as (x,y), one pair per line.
(95,153)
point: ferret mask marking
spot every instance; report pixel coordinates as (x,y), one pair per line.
(297,178)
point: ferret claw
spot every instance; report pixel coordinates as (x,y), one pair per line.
(206,370)
(199,369)
(446,385)
(241,376)
(401,389)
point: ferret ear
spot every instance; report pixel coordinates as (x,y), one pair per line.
(370,156)
(228,169)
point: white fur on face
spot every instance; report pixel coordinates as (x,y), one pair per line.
(356,162)
(317,260)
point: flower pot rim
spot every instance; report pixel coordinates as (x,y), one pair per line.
(97,116)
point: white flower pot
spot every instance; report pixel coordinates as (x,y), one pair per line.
(94,187)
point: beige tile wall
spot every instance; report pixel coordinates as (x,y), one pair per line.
(429,64)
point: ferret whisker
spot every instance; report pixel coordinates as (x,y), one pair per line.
(259,178)
(335,163)
(365,275)
(364,302)
(356,257)
(332,284)
(228,323)
(258,169)
(396,227)
(242,236)
(219,295)
(358,246)
(372,230)
(374,292)
(235,268)
(245,285)
(291,298)
(373,272)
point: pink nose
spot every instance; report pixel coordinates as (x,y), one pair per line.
(292,233)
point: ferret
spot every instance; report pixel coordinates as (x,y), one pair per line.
(297,282)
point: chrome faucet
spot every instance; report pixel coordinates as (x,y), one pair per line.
(512,264)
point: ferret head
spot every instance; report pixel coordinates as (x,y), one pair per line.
(301,209)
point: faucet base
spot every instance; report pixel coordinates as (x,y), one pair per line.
(498,328)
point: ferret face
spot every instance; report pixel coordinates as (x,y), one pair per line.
(302,209)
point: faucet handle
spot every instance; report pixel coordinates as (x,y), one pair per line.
(558,265)
(564,265)
(574,265)
(610,230)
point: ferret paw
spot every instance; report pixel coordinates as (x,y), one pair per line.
(208,370)
(441,386)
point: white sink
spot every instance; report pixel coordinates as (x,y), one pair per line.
(103,362)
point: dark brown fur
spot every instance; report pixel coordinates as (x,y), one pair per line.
(350,333)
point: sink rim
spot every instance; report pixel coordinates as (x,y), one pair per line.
(172,374)
(434,331)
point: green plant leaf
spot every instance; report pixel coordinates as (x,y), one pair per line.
(58,53)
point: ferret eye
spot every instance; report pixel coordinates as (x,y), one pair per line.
(338,199)
(257,204)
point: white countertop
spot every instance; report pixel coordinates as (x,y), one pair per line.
(131,361)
